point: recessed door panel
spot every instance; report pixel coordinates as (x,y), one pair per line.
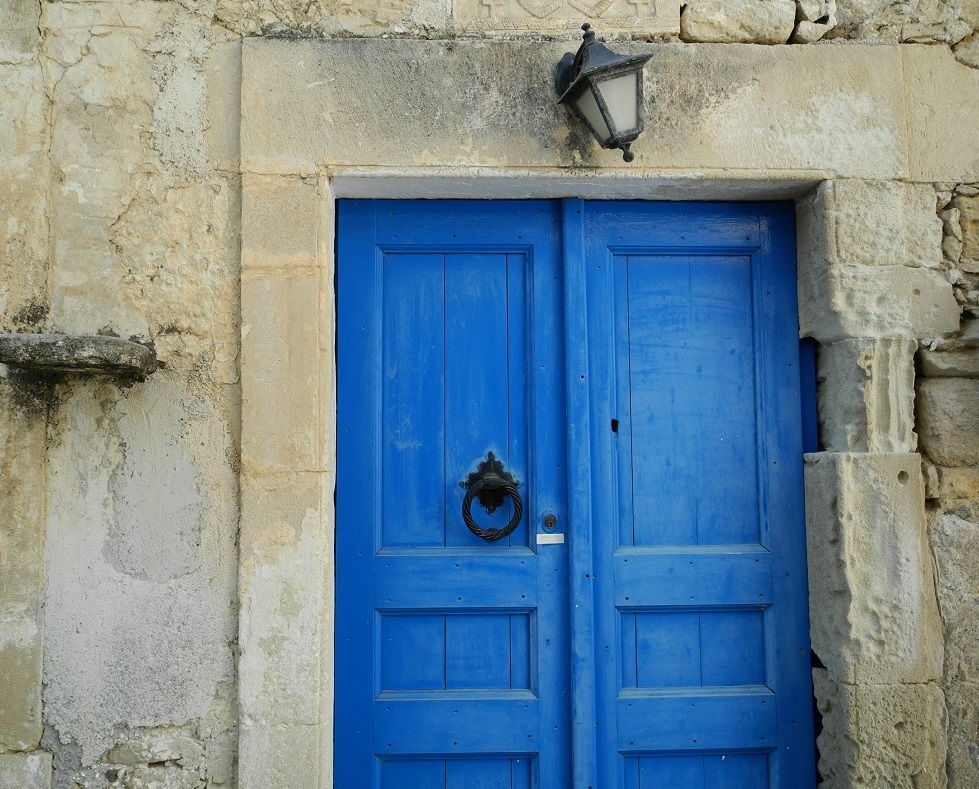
(634,366)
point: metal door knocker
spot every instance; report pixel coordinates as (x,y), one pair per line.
(491,484)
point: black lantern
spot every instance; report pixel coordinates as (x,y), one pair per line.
(605,90)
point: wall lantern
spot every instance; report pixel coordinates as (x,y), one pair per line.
(605,90)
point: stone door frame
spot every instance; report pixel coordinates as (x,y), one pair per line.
(874,615)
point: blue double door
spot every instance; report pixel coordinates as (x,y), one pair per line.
(635,367)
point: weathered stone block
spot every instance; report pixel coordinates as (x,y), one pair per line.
(280,756)
(950,364)
(870,223)
(222,75)
(738,21)
(285,596)
(956,483)
(158,745)
(652,17)
(22,508)
(890,736)
(23,193)
(19,35)
(956,546)
(872,607)
(948,420)
(968,208)
(281,219)
(866,396)
(708,106)
(963,734)
(333,17)
(286,351)
(841,302)
(25,770)
(943,101)
(20,684)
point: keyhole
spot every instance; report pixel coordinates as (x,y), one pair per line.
(550,521)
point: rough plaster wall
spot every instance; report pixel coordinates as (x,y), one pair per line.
(140,555)
(140,572)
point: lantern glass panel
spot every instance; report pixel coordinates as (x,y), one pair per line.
(588,107)
(622,99)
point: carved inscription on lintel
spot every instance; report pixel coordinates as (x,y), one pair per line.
(556,16)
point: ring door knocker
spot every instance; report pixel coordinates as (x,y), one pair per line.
(492,485)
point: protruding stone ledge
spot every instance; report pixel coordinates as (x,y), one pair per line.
(78,354)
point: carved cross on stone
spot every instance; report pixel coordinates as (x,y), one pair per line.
(491,6)
(639,5)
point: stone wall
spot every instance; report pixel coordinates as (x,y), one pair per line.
(121,213)
(948,422)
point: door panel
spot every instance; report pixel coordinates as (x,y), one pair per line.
(448,673)
(635,366)
(694,362)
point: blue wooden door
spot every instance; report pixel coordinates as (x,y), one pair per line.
(634,365)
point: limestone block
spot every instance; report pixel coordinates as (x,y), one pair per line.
(915,21)
(968,208)
(281,219)
(870,223)
(492,103)
(158,745)
(23,192)
(963,734)
(881,735)
(967,51)
(950,364)
(816,10)
(657,18)
(285,554)
(333,17)
(738,21)
(20,684)
(943,102)
(957,483)
(222,76)
(22,507)
(19,35)
(809,32)
(25,770)
(956,545)
(841,302)
(285,352)
(872,607)
(279,756)
(948,420)
(866,395)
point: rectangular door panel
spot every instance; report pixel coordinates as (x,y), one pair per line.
(692,359)
(442,636)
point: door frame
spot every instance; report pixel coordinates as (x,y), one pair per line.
(288,379)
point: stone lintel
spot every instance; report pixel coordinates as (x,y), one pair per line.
(492,103)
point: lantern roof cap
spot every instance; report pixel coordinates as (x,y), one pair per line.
(593,58)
